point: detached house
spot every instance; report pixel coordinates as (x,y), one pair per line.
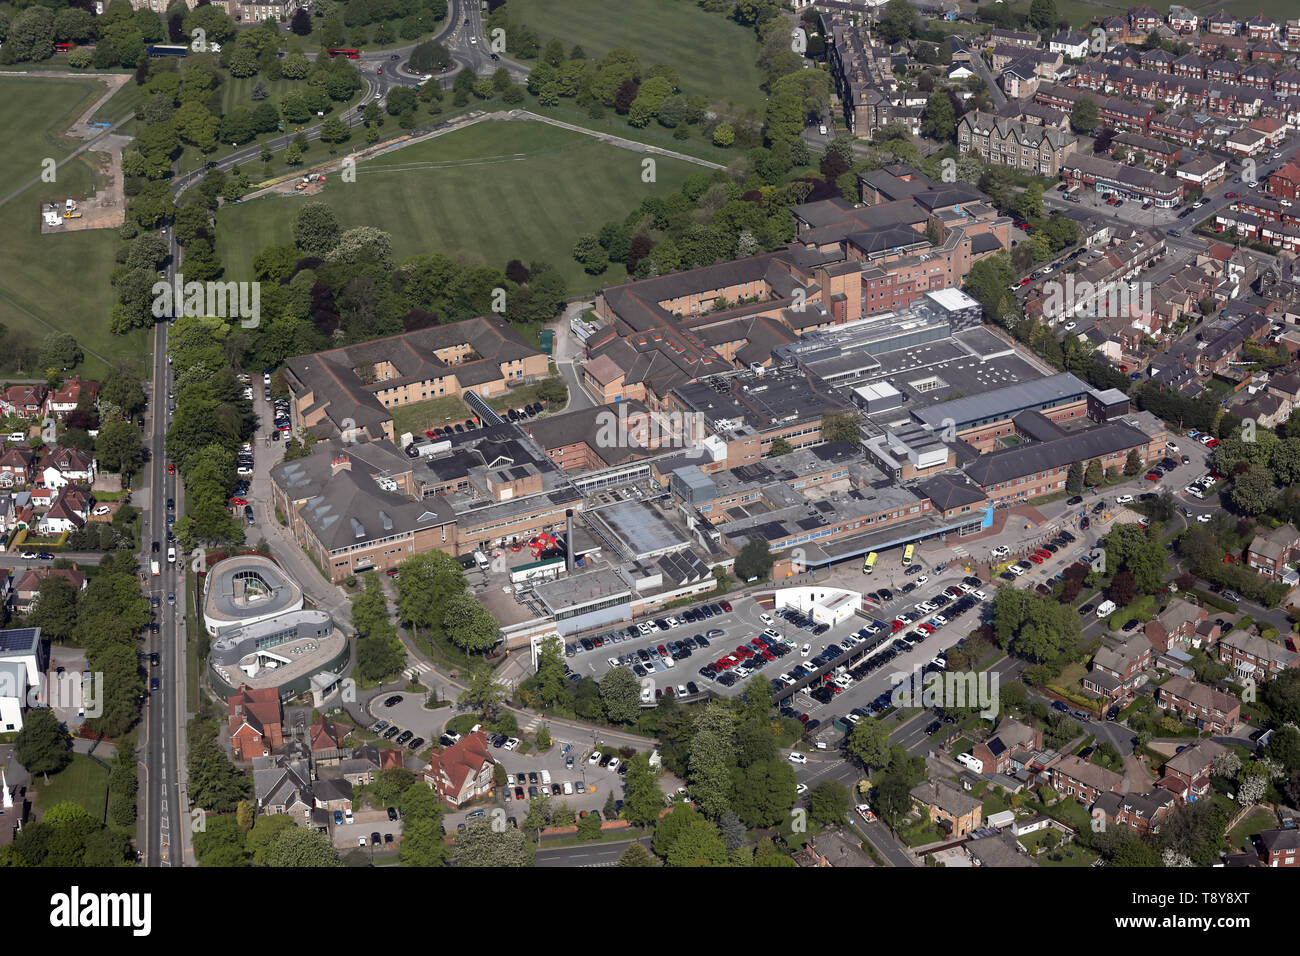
(463,771)
(68,512)
(17,466)
(26,400)
(1117,671)
(948,806)
(28,588)
(61,466)
(1270,552)
(255,722)
(69,394)
(1204,706)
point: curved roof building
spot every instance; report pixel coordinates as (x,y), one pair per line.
(247,589)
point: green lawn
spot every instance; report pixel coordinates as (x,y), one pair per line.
(56,282)
(484,195)
(1251,823)
(83,782)
(418,417)
(714,56)
(1069,854)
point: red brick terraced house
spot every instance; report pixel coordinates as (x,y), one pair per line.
(1251,656)
(1083,780)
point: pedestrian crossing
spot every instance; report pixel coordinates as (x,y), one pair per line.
(415,670)
(532,724)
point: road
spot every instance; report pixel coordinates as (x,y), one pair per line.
(599,854)
(161,744)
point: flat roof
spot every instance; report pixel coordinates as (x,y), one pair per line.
(247,588)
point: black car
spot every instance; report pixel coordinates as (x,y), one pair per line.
(392,813)
(1076,500)
(374,838)
(392,732)
(171,504)
(393,701)
(155,547)
(153,683)
(154,659)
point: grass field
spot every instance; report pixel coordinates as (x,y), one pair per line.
(714,56)
(56,282)
(83,782)
(482,195)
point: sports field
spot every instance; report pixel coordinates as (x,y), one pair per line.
(54,282)
(483,195)
(715,56)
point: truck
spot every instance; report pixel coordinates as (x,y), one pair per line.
(1106,608)
(153,567)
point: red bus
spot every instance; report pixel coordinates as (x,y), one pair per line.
(350,54)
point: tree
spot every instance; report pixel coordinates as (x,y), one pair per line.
(709,767)
(698,844)
(42,744)
(316,229)
(636,855)
(763,793)
(1083,117)
(1254,491)
(1093,476)
(869,743)
(469,625)
(1074,478)
(754,560)
(301,22)
(900,21)
(723,135)
(482,846)
(780,447)
(483,692)
(940,120)
(301,847)
(60,350)
(119,447)
(1042,14)
(621,694)
(643,801)
(1133,464)
(828,803)
(840,427)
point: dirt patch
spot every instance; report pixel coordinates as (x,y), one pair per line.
(106,207)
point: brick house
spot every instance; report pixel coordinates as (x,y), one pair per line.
(463,771)
(1187,774)
(25,400)
(64,464)
(1141,812)
(326,740)
(948,806)
(1280,847)
(1204,706)
(1284,183)
(254,722)
(1175,626)
(1270,552)
(1116,670)
(1251,656)
(68,511)
(28,588)
(1083,780)
(66,397)
(17,466)
(995,753)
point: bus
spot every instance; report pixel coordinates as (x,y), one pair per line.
(908,552)
(869,564)
(350,54)
(63,47)
(167,49)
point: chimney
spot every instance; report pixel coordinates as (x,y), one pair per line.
(339,463)
(568,540)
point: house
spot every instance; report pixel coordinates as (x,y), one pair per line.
(28,588)
(1183,20)
(282,784)
(1187,774)
(1008,142)
(1175,626)
(995,753)
(948,806)
(68,511)
(1142,20)
(26,400)
(1084,780)
(254,722)
(1222,24)
(22,675)
(1141,812)
(67,396)
(833,848)
(62,465)
(1070,44)
(1246,142)
(1262,27)
(1117,671)
(1270,552)
(462,771)
(326,738)
(1280,847)
(1204,706)
(17,466)
(1253,657)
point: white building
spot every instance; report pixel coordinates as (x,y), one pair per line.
(22,667)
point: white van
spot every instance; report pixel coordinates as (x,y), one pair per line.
(568,787)
(1106,608)
(481,560)
(546,777)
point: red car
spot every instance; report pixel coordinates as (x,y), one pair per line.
(1036,559)
(1043,553)
(238,502)
(1153,476)
(171,467)
(725,605)
(1213,442)
(1229,195)
(1026,280)
(897,625)
(927,627)
(663,651)
(768,656)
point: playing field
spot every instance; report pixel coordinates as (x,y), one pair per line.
(715,56)
(55,282)
(484,195)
